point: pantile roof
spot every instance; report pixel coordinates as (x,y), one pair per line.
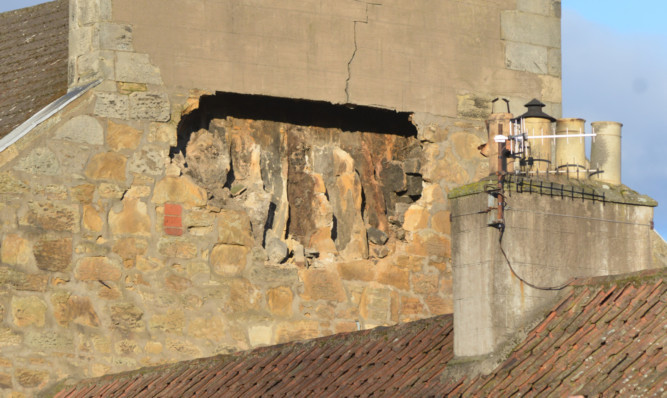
(403,360)
(606,337)
(33,60)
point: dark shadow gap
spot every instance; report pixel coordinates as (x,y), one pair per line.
(293,111)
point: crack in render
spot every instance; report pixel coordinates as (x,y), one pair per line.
(354,53)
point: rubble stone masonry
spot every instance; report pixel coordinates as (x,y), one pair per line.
(133,234)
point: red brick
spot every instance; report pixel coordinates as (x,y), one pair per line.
(171,209)
(172,221)
(173,231)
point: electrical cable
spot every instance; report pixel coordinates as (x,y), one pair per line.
(501,229)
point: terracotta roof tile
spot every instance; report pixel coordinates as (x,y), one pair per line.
(605,337)
(33,61)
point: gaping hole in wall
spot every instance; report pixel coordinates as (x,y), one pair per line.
(310,174)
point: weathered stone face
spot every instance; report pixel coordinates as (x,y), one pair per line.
(107,166)
(53,254)
(207,156)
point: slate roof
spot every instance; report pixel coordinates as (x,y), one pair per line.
(606,337)
(33,60)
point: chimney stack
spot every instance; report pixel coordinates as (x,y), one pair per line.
(606,151)
(571,152)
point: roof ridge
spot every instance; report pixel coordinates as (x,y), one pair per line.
(631,277)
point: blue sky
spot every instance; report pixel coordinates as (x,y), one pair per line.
(614,68)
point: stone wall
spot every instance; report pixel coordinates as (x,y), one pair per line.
(120,249)
(140,226)
(418,56)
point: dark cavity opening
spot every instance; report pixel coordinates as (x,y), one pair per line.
(293,111)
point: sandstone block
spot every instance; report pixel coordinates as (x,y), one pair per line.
(10,184)
(92,221)
(5,381)
(415,218)
(107,166)
(48,340)
(72,157)
(529,28)
(526,57)
(260,335)
(15,250)
(392,177)
(554,61)
(376,236)
(273,276)
(234,228)
(39,161)
(411,263)
(121,136)
(179,190)
(153,347)
(30,378)
(136,68)
(112,105)
(138,192)
(229,260)
(177,283)
(207,156)
(74,309)
(97,268)
(551,89)
(132,220)
(321,284)
(296,330)
(425,283)
(83,193)
(53,254)
(210,328)
(145,264)
(411,306)
(52,216)
(184,348)
(177,248)
(375,304)
(438,305)
(23,281)
(150,106)
(473,106)
(361,270)
(171,322)
(129,248)
(126,316)
(429,243)
(127,347)
(279,300)
(390,274)
(9,338)
(163,133)
(440,222)
(276,249)
(29,310)
(81,129)
(149,160)
(115,37)
(244,296)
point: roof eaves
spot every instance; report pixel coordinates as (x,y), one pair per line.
(44,114)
